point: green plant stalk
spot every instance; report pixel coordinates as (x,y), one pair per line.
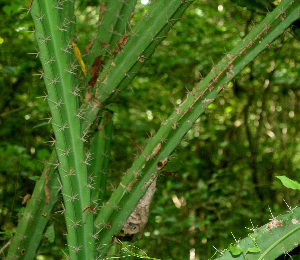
(115,18)
(112,27)
(35,217)
(146,36)
(162,17)
(100,147)
(91,114)
(123,22)
(272,240)
(278,242)
(38,15)
(173,130)
(152,28)
(54,46)
(105,29)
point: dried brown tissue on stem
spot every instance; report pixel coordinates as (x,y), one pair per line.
(47,191)
(135,179)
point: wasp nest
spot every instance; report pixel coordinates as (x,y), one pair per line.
(139,217)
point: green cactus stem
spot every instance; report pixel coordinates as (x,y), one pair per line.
(54,24)
(118,72)
(39,16)
(100,147)
(278,237)
(35,216)
(158,150)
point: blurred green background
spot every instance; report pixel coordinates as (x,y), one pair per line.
(224,170)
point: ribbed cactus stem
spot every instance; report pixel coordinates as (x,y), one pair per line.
(54,30)
(53,23)
(36,215)
(275,238)
(100,147)
(156,153)
(119,71)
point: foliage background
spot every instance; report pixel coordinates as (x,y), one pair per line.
(224,171)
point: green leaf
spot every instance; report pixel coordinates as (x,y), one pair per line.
(50,234)
(253,250)
(235,250)
(289,183)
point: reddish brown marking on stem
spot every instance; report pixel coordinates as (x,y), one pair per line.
(105,45)
(122,41)
(101,12)
(109,224)
(47,191)
(47,194)
(131,16)
(133,182)
(26,198)
(89,46)
(88,93)
(30,3)
(46,175)
(161,164)
(141,58)
(156,149)
(95,70)
(90,209)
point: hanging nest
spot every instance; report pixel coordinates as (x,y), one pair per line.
(139,217)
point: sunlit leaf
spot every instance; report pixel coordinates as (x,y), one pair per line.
(289,183)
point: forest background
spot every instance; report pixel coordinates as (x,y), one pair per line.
(222,175)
